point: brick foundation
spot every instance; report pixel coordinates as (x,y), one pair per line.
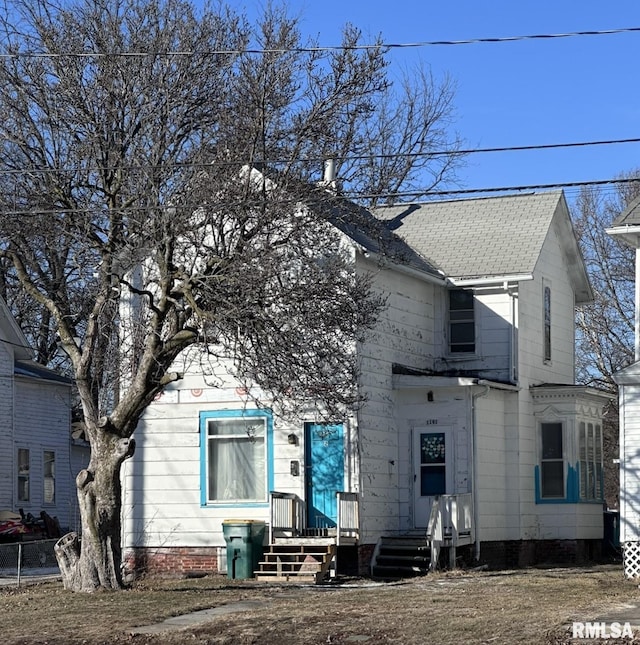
(523,553)
(365,554)
(508,554)
(172,561)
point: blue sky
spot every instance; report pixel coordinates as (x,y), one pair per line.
(515,93)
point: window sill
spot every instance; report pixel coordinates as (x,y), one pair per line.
(462,356)
(555,500)
(235,505)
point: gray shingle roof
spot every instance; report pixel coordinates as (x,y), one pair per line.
(35,370)
(367,230)
(630,216)
(477,238)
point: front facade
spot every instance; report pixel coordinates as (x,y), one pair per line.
(36,446)
(470,397)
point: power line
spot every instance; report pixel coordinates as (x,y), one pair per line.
(319,49)
(504,189)
(473,41)
(423,194)
(404,155)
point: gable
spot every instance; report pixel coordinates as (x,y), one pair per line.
(627,224)
(573,259)
(12,335)
(629,375)
(363,228)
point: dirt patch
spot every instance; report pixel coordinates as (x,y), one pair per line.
(528,606)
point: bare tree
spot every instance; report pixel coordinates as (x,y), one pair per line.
(134,213)
(605,327)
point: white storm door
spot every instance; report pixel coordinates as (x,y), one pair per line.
(432,470)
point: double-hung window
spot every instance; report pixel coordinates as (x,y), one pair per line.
(462,329)
(49,476)
(235,456)
(547,323)
(552,472)
(24,471)
(590,461)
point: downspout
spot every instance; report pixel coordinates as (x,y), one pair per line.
(513,350)
(474,465)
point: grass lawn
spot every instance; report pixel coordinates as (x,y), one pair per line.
(460,607)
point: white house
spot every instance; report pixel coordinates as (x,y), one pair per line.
(626,227)
(36,447)
(471,404)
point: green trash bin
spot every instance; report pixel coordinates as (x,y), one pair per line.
(244,546)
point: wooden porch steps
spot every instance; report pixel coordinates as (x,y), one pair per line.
(400,557)
(296,563)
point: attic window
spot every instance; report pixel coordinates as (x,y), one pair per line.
(462,329)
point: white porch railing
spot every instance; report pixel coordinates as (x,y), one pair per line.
(287,516)
(348,517)
(450,525)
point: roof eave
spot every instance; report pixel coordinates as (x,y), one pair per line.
(387,262)
(490,280)
(628,233)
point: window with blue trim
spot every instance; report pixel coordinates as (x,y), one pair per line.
(570,468)
(235,454)
(552,475)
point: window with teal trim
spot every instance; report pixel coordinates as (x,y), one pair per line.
(235,456)
(552,475)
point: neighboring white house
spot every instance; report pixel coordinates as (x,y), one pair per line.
(35,441)
(471,402)
(626,227)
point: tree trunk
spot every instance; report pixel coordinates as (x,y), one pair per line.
(94,560)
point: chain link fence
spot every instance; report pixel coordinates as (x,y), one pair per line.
(26,559)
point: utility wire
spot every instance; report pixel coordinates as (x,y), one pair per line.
(330,48)
(424,195)
(503,189)
(404,155)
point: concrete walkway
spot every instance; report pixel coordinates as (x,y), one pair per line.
(205,615)
(626,613)
(198,617)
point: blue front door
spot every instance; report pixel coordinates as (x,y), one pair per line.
(324,457)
